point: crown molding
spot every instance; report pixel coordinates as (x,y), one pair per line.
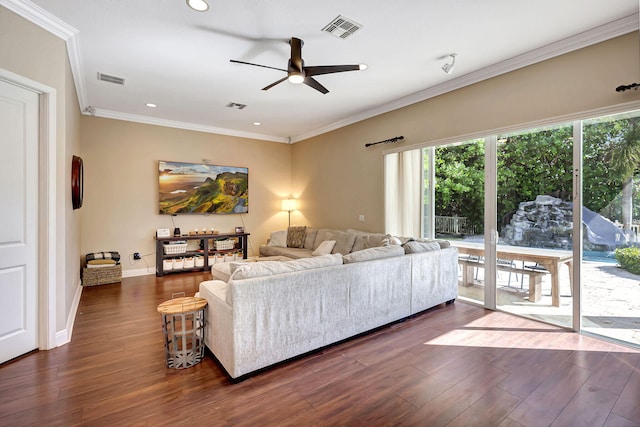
(77,70)
(599,34)
(40,17)
(37,15)
(116,115)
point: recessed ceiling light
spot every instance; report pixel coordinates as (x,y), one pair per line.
(257,123)
(199,5)
(150,105)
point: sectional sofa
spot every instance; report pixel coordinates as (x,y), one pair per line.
(270,311)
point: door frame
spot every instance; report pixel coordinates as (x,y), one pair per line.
(47,218)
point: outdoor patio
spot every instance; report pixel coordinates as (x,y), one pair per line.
(611,299)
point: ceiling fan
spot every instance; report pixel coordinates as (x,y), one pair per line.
(298,73)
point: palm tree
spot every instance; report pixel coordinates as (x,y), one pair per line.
(624,160)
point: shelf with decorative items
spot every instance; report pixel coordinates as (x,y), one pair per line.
(173,254)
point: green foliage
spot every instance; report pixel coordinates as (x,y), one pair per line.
(541,162)
(629,259)
(534,163)
(459,187)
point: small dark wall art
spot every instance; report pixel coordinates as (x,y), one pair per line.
(192,188)
(77,182)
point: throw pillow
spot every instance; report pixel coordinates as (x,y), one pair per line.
(414,247)
(344,242)
(278,239)
(366,241)
(295,237)
(325,248)
(444,244)
(310,237)
(394,240)
(373,253)
(221,271)
(97,263)
(321,235)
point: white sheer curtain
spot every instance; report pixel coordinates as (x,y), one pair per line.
(403,193)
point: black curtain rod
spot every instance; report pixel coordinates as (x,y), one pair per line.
(622,88)
(386,141)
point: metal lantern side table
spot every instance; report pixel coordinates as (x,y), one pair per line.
(183,323)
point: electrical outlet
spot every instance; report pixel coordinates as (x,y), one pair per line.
(361,217)
(136,255)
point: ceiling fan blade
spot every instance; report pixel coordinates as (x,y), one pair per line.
(274,83)
(310,81)
(296,61)
(328,69)
(257,65)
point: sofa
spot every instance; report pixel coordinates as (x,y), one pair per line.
(271,311)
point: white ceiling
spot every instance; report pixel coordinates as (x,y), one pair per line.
(178,58)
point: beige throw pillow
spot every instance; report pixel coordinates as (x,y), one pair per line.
(278,239)
(310,237)
(344,242)
(366,241)
(373,253)
(325,248)
(414,247)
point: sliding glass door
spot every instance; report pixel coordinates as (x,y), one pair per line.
(611,219)
(546,220)
(534,207)
(454,182)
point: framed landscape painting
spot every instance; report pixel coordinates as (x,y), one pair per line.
(192,188)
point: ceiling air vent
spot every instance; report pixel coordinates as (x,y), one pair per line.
(342,27)
(235,105)
(110,79)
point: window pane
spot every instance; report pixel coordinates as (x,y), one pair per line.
(458,204)
(535,224)
(611,219)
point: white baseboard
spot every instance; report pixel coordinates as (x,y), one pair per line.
(64,336)
(138,272)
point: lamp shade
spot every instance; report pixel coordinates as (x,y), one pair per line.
(289,205)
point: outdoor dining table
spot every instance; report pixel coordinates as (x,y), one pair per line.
(550,259)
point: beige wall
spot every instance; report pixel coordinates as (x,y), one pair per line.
(32,52)
(337,178)
(120,211)
(334,176)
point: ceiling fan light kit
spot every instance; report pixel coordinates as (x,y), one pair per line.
(298,73)
(296,78)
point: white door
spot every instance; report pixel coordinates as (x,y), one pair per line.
(18,221)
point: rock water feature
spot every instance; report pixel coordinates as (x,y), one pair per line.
(543,223)
(547,223)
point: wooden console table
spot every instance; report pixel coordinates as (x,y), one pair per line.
(206,250)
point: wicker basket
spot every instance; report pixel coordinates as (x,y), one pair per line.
(175,248)
(102,275)
(224,245)
(178,263)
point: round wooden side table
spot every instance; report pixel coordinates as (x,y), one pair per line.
(183,323)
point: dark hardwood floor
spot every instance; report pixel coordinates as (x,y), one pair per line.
(455,365)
